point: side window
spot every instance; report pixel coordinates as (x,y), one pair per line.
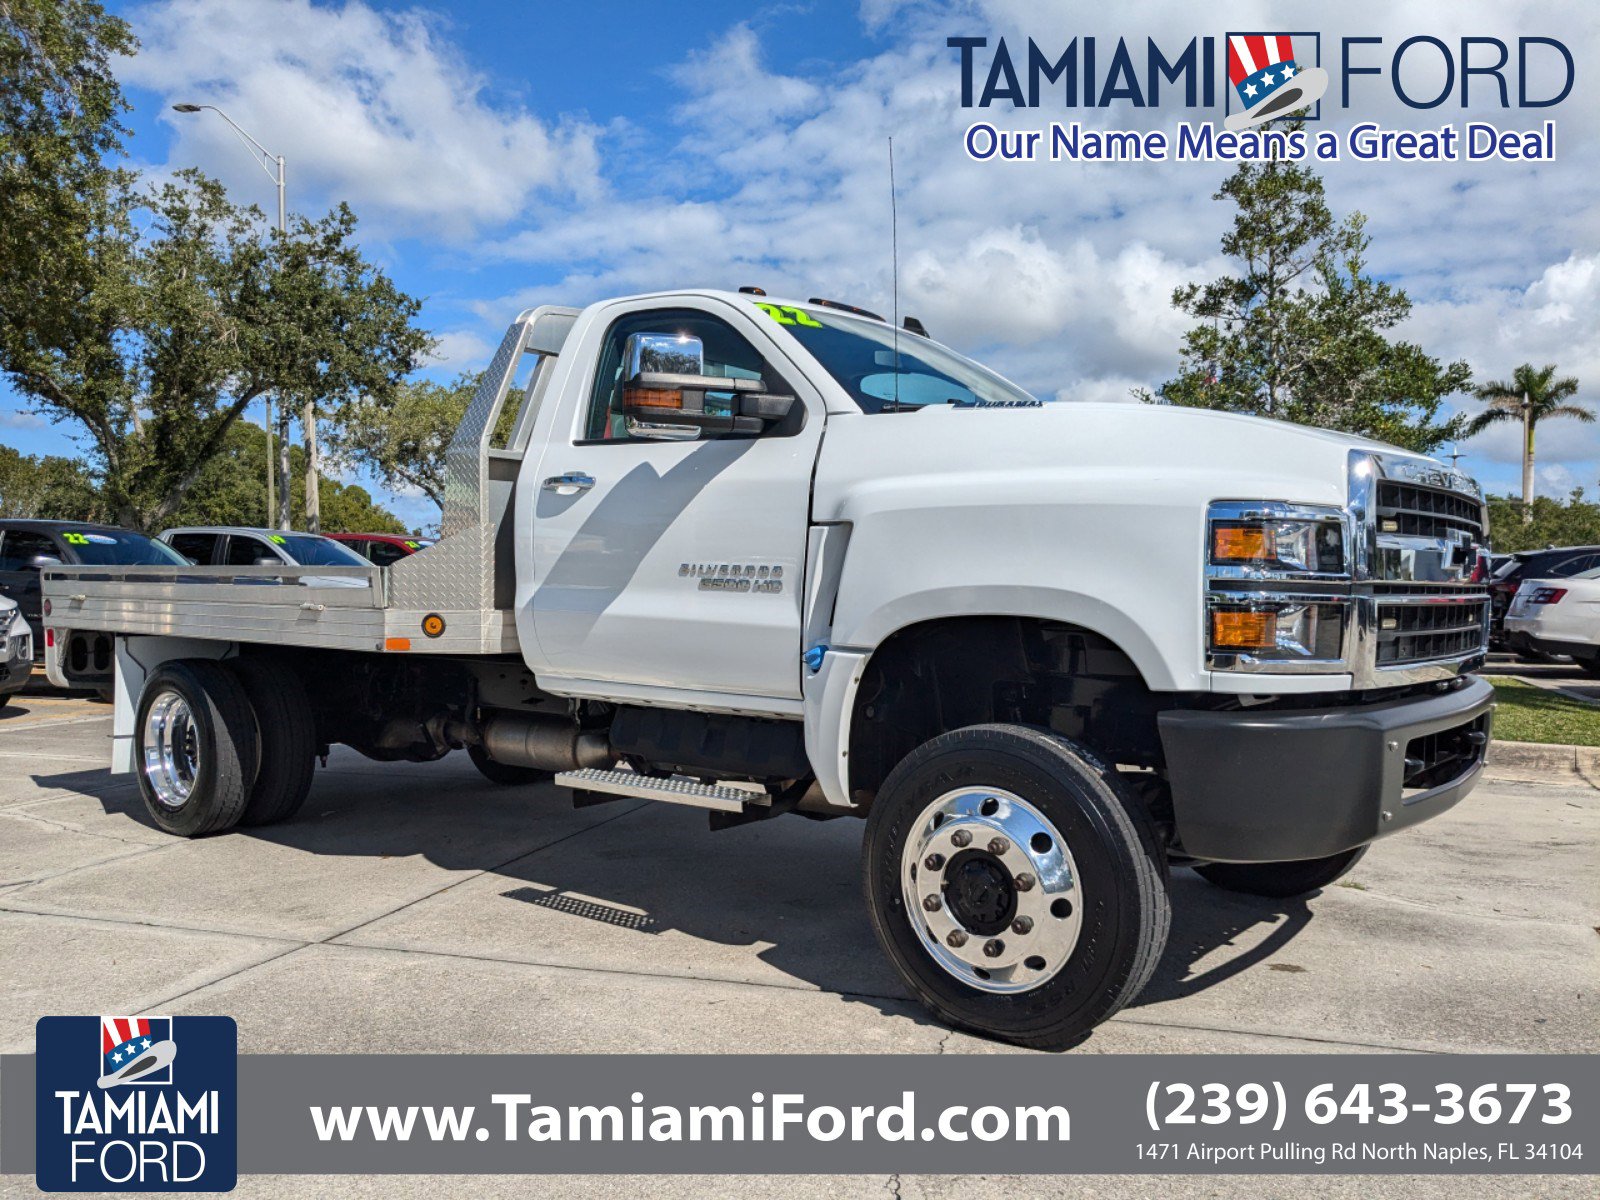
(383,553)
(19,546)
(200,547)
(725,354)
(243,550)
(1572,566)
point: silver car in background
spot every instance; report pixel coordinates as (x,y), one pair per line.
(16,650)
(221,546)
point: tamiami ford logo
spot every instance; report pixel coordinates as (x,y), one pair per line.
(1244,96)
(137,1104)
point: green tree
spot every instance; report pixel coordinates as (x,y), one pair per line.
(192,309)
(403,441)
(232,490)
(1514,525)
(1531,395)
(51,487)
(1299,333)
(60,110)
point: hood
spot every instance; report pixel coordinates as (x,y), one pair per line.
(1205,454)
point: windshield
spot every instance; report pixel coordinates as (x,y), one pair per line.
(862,358)
(310,550)
(119,547)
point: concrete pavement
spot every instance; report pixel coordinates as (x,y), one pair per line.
(420,908)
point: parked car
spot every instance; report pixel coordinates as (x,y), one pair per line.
(1558,615)
(16,650)
(221,546)
(381,548)
(1558,562)
(27,546)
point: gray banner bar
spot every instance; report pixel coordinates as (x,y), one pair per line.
(1159,1114)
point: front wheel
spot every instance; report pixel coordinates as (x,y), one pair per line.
(1281,880)
(1016,884)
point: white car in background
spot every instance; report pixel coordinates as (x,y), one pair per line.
(1558,616)
(16,650)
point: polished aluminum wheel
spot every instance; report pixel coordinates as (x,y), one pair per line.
(171,749)
(990,885)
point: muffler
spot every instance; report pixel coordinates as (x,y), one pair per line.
(545,743)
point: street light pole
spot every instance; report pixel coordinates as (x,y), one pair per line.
(309,415)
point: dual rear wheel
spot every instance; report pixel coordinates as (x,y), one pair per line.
(220,744)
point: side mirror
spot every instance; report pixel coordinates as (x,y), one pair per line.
(266,560)
(40,561)
(667,353)
(665,391)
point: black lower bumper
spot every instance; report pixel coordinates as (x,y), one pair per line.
(1272,786)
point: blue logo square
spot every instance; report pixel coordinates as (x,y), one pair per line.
(137,1104)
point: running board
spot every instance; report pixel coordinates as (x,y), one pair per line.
(722,797)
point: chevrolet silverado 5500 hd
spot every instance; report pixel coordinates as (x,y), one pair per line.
(768,558)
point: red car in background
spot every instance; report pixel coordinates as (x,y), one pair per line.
(381,548)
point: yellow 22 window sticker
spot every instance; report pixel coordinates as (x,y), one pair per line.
(278,538)
(785,314)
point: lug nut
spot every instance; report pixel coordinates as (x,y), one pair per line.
(1023,882)
(994,948)
(956,939)
(933,862)
(961,838)
(932,903)
(998,845)
(1022,925)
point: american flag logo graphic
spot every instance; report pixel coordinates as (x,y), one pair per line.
(1269,80)
(136,1050)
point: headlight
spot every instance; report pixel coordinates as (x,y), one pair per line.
(1271,571)
(1275,628)
(1279,546)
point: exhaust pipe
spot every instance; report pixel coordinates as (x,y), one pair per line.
(545,744)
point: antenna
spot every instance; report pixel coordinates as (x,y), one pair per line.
(894,269)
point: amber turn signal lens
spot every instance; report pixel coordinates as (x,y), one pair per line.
(1240,543)
(1244,630)
(651,398)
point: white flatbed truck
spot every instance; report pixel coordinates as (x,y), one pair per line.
(766,557)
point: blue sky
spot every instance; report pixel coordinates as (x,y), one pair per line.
(502,154)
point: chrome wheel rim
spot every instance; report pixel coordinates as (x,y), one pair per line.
(991,888)
(171,749)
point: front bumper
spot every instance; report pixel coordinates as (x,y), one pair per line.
(1277,785)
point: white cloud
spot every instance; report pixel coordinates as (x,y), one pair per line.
(376,107)
(17,419)
(1059,274)
(461,349)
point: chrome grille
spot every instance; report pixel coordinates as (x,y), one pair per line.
(1415,525)
(1446,628)
(1413,511)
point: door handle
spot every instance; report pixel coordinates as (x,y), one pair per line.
(569,484)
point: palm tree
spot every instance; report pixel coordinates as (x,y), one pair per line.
(1528,396)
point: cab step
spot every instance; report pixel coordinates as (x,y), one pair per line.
(720,797)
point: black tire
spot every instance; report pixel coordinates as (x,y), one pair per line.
(1281,880)
(504,773)
(1590,666)
(223,729)
(286,733)
(1120,865)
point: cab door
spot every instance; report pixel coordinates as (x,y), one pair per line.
(670,558)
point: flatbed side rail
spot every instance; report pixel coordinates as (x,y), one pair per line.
(71,586)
